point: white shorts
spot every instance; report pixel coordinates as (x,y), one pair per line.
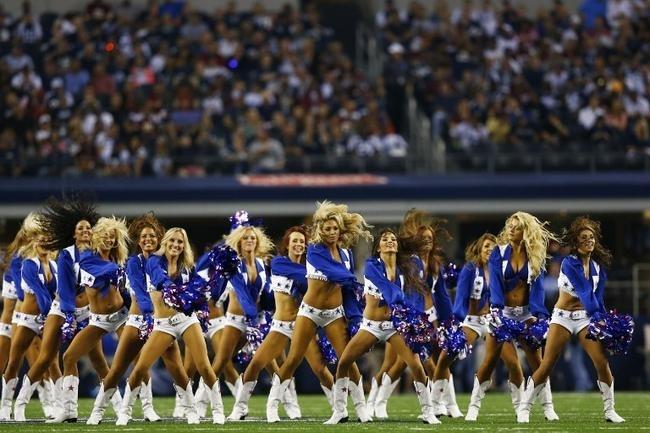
(382,329)
(175,325)
(14,317)
(236,321)
(520,314)
(8,290)
(284,327)
(109,322)
(320,317)
(80,313)
(5,330)
(432,314)
(572,321)
(135,320)
(478,324)
(215,326)
(30,321)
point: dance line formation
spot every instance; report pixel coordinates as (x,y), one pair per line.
(70,280)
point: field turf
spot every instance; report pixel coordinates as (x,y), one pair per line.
(578,413)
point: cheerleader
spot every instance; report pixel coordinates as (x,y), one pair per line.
(471,307)
(169,269)
(38,282)
(582,286)
(387,274)
(68,225)
(329,274)
(289,285)
(148,231)
(516,269)
(244,288)
(99,270)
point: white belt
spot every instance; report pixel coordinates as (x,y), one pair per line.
(573,315)
(517,311)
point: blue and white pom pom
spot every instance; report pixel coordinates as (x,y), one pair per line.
(414,328)
(145,327)
(326,348)
(69,328)
(503,328)
(613,330)
(452,339)
(450,274)
(535,333)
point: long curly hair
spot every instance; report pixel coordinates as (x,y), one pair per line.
(352,225)
(536,238)
(120,250)
(414,224)
(32,228)
(283,247)
(186,260)
(263,248)
(138,224)
(601,254)
(19,241)
(61,216)
(473,250)
(412,281)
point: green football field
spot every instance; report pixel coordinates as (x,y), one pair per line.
(578,413)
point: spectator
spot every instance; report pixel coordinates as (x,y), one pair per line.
(265,154)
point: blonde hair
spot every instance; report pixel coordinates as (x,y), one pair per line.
(31,229)
(473,250)
(352,225)
(120,251)
(186,260)
(264,245)
(536,238)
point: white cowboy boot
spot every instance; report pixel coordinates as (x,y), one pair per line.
(372,396)
(179,411)
(328,395)
(124,414)
(24,395)
(340,397)
(189,404)
(202,398)
(383,394)
(8,390)
(101,402)
(217,404)
(51,396)
(607,393)
(146,399)
(69,400)
(438,396)
(232,387)
(275,395)
(44,397)
(531,392)
(545,398)
(478,393)
(240,408)
(424,397)
(290,401)
(516,393)
(449,396)
(359,400)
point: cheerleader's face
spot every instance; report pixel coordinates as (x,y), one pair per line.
(331,232)
(586,242)
(515,230)
(486,250)
(83,232)
(108,240)
(427,240)
(248,242)
(40,245)
(148,241)
(175,245)
(296,244)
(387,243)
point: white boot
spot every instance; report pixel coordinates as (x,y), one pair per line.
(340,397)
(516,393)
(450,399)
(69,400)
(179,411)
(8,390)
(240,408)
(424,397)
(546,400)
(290,401)
(44,398)
(383,394)
(51,396)
(124,414)
(189,406)
(359,400)
(531,392)
(232,387)
(438,396)
(116,402)
(146,398)
(217,404)
(275,395)
(607,393)
(478,393)
(101,402)
(202,398)
(372,396)
(24,395)
(328,395)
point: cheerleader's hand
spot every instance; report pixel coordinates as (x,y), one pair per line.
(146,326)
(494,321)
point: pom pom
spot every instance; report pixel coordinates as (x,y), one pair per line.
(145,327)
(452,339)
(69,328)
(414,327)
(255,335)
(535,334)
(241,218)
(189,297)
(82,324)
(450,274)
(613,330)
(326,349)
(503,328)
(353,327)
(223,262)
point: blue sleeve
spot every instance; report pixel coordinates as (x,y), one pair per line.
(463,291)
(157,274)
(496,279)
(536,298)
(16,266)
(441,299)
(29,275)
(66,282)
(137,280)
(390,291)
(600,289)
(202,263)
(572,268)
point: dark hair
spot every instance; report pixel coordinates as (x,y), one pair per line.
(601,254)
(405,263)
(61,216)
(417,221)
(138,224)
(283,247)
